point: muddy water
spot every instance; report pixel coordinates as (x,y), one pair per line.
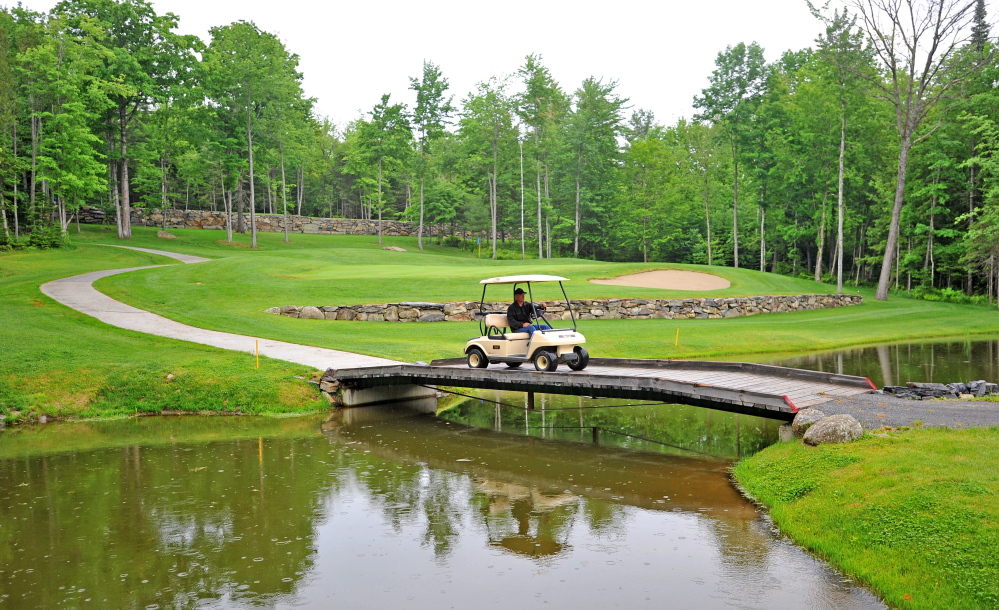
(377,508)
(943,361)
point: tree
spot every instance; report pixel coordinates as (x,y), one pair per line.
(542,107)
(842,48)
(138,40)
(737,85)
(66,97)
(429,118)
(384,143)
(591,133)
(916,41)
(487,127)
(247,71)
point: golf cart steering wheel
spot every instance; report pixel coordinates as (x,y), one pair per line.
(539,316)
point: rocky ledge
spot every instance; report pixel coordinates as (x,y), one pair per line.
(586,309)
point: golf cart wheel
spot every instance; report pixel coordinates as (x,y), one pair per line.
(476,359)
(582,358)
(514,365)
(545,361)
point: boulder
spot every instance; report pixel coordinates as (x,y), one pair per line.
(311,313)
(165,235)
(833,429)
(394,248)
(432,317)
(805,419)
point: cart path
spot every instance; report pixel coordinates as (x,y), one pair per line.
(78,292)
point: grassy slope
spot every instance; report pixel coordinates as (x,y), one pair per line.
(914,515)
(58,362)
(231,292)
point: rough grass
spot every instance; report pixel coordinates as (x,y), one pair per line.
(60,363)
(915,515)
(231,293)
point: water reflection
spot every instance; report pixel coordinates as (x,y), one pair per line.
(373,508)
(943,361)
(673,429)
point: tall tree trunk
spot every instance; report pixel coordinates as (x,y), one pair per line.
(419,231)
(839,203)
(763,238)
(34,156)
(240,204)
(523,246)
(928,261)
(17,231)
(884,279)
(575,246)
(541,237)
(253,199)
(380,201)
(822,237)
(735,205)
(126,205)
(227,206)
(284,191)
(493,196)
(163,190)
(971,210)
(707,210)
(300,191)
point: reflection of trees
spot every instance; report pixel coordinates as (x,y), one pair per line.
(704,430)
(525,520)
(192,521)
(942,362)
(527,494)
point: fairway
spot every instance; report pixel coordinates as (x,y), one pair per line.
(58,362)
(231,292)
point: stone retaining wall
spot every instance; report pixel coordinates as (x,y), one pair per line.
(269,223)
(586,309)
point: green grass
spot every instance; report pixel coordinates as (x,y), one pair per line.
(57,362)
(231,293)
(914,515)
(60,363)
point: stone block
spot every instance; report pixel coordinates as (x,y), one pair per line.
(346,314)
(432,317)
(312,313)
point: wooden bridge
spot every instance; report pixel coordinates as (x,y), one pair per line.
(754,389)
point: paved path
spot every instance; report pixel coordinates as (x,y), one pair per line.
(79,293)
(876,410)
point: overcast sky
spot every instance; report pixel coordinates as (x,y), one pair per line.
(352,52)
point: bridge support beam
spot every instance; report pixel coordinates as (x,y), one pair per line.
(342,396)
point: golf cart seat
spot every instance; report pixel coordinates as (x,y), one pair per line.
(497,321)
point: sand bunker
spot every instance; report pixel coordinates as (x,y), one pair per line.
(669,279)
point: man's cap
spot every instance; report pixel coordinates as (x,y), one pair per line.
(519,291)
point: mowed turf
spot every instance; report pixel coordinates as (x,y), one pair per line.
(231,292)
(912,513)
(57,362)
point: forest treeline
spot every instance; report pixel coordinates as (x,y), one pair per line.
(867,158)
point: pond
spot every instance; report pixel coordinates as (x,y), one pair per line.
(386,507)
(941,361)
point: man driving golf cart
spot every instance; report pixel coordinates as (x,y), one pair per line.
(521,314)
(530,337)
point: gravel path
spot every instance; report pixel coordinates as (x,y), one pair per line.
(876,410)
(78,292)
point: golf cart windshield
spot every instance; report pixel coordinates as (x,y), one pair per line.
(528,280)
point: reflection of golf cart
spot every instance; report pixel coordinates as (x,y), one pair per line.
(546,348)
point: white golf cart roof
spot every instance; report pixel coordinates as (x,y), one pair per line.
(523,279)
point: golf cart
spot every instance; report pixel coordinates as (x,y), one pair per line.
(546,349)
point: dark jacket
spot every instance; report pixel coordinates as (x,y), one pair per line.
(521,315)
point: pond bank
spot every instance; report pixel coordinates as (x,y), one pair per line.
(910,512)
